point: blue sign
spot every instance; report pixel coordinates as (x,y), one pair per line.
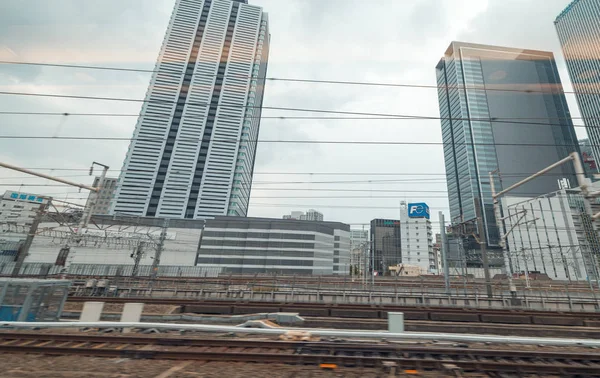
(418,210)
(24,197)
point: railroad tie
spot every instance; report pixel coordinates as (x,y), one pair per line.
(169,372)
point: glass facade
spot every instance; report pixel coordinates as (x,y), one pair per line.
(501,109)
(578,28)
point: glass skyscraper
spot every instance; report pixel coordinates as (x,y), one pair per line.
(193,148)
(578,28)
(501,109)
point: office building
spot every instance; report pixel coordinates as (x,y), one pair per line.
(359,237)
(587,156)
(501,109)
(17,213)
(111,240)
(386,244)
(241,245)
(417,236)
(193,149)
(579,34)
(310,215)
(100,202)
(20,208)
(552,235)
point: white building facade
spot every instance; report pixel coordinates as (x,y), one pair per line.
(20,208)
(310,215)
(237,245)
(417,236)
(551,235)
(193,148)
(100,202)
(109,241)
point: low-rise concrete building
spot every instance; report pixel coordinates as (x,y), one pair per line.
(241,245)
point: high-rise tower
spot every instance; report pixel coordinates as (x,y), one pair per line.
(194,145)
(578,28)
(501,109)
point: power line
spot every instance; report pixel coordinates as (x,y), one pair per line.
(313,81)
(289,109)
(233,140)
(512,174)
(370,118)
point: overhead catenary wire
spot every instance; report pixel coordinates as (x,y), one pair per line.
(417,174)
(298,80)
(290,141)
(398,117)
(288,109)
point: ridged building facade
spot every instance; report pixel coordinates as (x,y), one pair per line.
(502,110)
(578,28)
(194,145)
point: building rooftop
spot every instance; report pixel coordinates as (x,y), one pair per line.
(566,10)
(454,44)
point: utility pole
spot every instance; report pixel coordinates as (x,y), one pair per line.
(24,249)
(483,245)
(86,216)
(444,249)
(137,257)
(159,249)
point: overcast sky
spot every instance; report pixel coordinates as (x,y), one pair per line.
(388,41)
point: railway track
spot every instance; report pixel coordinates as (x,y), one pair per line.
(359,311)
(346,354)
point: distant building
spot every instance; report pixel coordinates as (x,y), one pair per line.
(109,241)
(386,244)
(194,146)
(100,202)
(552,235)
(311,215)
(417,236)
(486,128)
(579,35)
(17,213)
(587,155)
(241,245)
(19,208)
(358,237)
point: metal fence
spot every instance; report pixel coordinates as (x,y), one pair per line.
(47,269)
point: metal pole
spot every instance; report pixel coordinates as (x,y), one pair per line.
(483,245)
(545,170)
(372,263)
(502,237)
(15,168)
(159,249)
(139,252)
(87,214)
(89,209)
(24,249)
(444,249)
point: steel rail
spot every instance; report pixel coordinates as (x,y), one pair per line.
(346,354)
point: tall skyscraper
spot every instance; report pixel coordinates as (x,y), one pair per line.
(578,28)
(385,236)
(501,108)
(194,145)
